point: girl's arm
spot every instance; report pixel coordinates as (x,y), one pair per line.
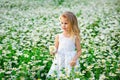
(77,55)
(56,42)
(78,47)
(53,49)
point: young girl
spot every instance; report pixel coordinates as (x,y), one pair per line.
(67,46)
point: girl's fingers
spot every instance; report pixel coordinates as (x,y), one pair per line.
(72,63)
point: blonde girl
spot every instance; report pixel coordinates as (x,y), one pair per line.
(67,46)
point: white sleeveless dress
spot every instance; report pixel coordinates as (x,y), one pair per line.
(66,52)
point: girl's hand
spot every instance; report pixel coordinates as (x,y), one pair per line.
(72,63)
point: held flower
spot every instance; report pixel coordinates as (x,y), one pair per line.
(52,49)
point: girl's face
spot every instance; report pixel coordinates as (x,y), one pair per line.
(65,24)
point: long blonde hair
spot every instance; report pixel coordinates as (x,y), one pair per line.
(74,29)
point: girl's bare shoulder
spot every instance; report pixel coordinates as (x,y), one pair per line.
(57,36)
(77,38)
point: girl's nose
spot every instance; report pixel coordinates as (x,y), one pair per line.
(63,25)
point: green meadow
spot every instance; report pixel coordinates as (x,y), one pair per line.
(28,28)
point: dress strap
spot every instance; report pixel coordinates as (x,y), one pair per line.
(60,36)
(74,39)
